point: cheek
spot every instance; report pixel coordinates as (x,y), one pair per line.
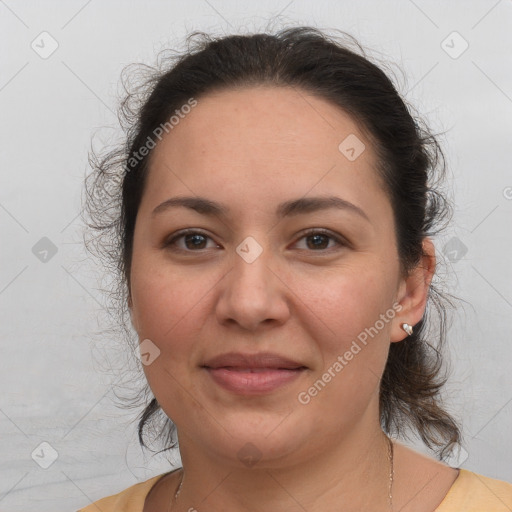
(352,335)
(172,308)
(170,311)
(165,299)
(345,303)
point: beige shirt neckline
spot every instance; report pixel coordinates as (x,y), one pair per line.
(469,492)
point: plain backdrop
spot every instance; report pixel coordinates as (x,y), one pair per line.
(59,77)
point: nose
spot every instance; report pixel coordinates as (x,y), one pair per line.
(253,294)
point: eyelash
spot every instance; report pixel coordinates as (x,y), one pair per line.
(171,243)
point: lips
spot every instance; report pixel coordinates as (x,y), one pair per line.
(252,374)
(255,362)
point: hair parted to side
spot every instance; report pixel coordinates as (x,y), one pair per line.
(411,166)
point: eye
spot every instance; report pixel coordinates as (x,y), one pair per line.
(192,239)
(320,239)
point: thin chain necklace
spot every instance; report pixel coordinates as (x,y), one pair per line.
(391,476)
(391,472)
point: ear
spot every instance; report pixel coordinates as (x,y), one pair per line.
(413,292)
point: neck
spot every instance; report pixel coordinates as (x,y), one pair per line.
(352,473)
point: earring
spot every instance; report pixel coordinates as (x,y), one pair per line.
(407,328)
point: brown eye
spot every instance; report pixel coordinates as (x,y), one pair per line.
(318,240)
(192,240)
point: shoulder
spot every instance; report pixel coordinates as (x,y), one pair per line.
(129,500)
(472,492)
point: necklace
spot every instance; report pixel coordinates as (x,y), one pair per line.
(391,472)
(391,476)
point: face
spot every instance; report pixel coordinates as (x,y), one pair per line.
(301,283)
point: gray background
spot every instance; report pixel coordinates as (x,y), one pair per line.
(53,388)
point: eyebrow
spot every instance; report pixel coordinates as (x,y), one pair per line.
(290,208)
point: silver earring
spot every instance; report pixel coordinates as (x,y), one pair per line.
(407,328)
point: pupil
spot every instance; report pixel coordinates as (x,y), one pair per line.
(317,237)
(197,239)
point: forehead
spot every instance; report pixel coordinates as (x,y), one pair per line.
(283,119)
(263,142)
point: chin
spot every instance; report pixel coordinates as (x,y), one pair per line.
(245,439)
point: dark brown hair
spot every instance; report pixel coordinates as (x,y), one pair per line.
(410,164)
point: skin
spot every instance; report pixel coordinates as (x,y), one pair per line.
(251,149)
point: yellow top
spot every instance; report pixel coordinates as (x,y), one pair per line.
(470,492)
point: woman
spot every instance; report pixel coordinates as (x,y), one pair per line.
(275,233)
